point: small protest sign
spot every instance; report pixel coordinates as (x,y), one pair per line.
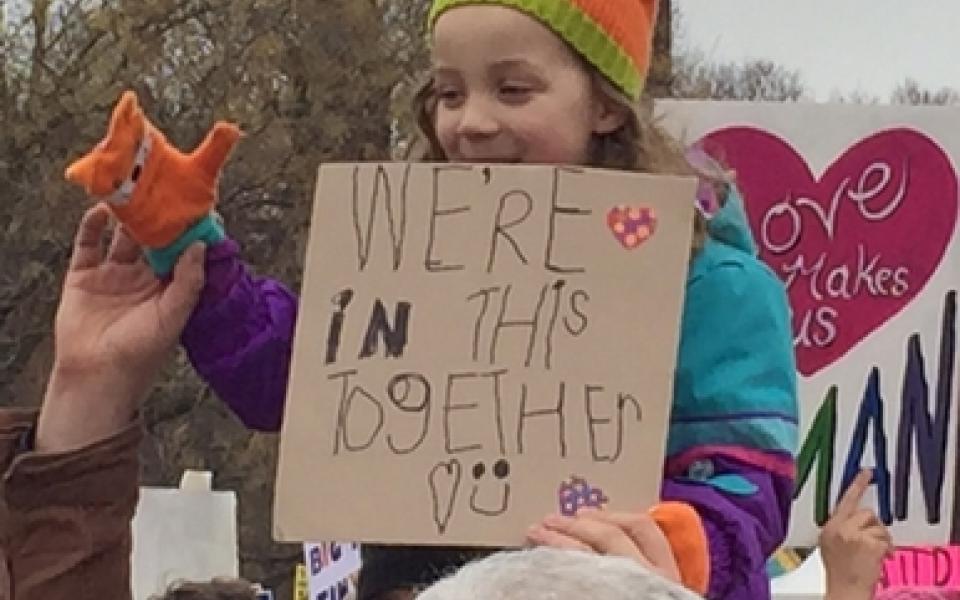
(480,346)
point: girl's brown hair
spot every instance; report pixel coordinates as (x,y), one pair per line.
(639,145)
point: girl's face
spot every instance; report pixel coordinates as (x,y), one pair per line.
(509,90)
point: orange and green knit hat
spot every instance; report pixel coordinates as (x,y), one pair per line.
(615,36)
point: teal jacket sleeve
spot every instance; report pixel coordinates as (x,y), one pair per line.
(733,431)
(736,381)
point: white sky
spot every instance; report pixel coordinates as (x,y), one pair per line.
(837,45)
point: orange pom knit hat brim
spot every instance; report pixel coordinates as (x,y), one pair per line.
(615,36)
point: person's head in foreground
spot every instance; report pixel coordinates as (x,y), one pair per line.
(548,573)
(218,589)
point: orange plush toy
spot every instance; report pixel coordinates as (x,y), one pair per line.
(164,198)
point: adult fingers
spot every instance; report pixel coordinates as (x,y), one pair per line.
(880,533)
(123,248)
(87,244)
(180,296)
(645,533)
(862,519)
(854,494)
(604,537)
(541,536)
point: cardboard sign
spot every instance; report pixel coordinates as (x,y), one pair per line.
(855,208)
(933,566)
(329,567)
(479,347)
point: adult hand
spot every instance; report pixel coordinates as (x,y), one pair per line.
(631,535)
(115,325)
(854,544)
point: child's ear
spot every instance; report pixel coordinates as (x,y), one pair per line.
(609,116)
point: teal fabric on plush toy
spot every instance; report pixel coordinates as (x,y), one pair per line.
(162,260)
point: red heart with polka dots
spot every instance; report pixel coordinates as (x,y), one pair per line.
(632,225)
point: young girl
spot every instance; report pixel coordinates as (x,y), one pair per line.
(559,82)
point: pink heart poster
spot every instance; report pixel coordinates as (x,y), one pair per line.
(854,208)
(854,245)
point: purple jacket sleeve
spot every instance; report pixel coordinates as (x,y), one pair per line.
(240,338)
(742,529)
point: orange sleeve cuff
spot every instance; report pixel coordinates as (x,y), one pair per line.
(684,530)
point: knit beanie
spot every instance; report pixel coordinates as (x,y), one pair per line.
(615,36)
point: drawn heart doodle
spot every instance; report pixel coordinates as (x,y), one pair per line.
(444,480)
(632,226)
(854,246)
